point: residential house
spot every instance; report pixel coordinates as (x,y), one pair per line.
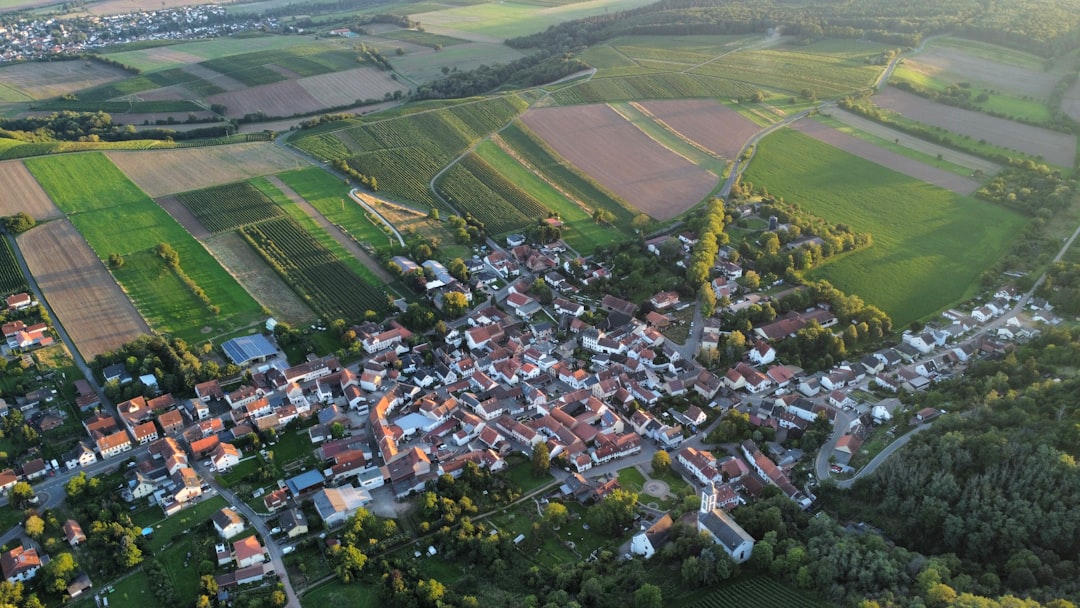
(249,552)
(653,538)
(293,523)
(73,532)
(20,564)
(335,505)
(228,523)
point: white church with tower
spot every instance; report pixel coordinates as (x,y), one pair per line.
(715,522)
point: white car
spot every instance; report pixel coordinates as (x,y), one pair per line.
(287,550)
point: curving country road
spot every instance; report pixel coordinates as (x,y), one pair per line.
(882,456)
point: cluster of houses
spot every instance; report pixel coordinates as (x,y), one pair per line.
(247,555)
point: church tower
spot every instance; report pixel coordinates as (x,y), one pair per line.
(708,499)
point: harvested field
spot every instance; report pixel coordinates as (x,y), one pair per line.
(21,192)
(252,272)
(709,124)
(622,158)
(919,145)
(342,88)
(200,71)
(283,98)
(310,94)
(1055,148)
(47,79)
(958,66)
(92,307)
(194,168)
(1070,103)
(886,158)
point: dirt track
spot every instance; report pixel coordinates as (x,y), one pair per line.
(886,158)
(1056,148)
(603,144)
(21,192)
(93,309)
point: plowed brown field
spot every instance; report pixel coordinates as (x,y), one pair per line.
(21,192)
(1056,148)
(600,142)
(163,172)
(311,94)
(92,307)
(959,66)
(711,125)
(45,79)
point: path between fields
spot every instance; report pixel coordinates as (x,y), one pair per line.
(343,239)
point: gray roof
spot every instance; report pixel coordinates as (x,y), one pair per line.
(729,533)
(248,348)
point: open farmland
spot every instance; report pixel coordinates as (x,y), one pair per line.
(509,19)
(470,194)
(116,217)
(929,245)
(228,207)
(197,51)
(92,307)
(310,94)
(1054,147)
(605,146)
(529,149)
(317,275)
(829,68)
(258,278)
(330,197)
(21,192)
(886,158)
(707,123)
(756,591)
(188,168)
(877,130)
(43,80)
(956,66)
(406,152)
(674,85)
(1070,103)
(579,231)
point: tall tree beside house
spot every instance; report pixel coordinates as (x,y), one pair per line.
(541,459)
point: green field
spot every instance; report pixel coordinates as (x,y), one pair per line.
(423,38)
(406,152)
(892,146)
(154,80)
(252,68)
(331,197)
(115,216)
(580,231)
(177,525)
(509,19)
(756,591)
(336,594)
(149,60)
(929,245)
(651,86)
(826,69)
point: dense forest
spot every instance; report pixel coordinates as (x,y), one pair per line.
(990,492)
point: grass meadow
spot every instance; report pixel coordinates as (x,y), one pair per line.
(1014,106)
(115,216)
(326,193)
(929,245)
(336,594)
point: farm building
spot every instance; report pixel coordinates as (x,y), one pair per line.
(249,349)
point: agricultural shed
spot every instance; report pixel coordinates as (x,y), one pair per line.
(246,349)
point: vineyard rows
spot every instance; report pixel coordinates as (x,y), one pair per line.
(651,86)
(11,276)
(317,275)
(507,190)
(228,207)
(788,71)
(754,592)
(469,195)
(546,161)
(405,153)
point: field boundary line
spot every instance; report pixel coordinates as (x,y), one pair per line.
(641,108)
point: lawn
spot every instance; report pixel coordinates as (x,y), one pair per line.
(521,473)
(330,196)
(166,529)
(631,479)
(336,594)
(183,571)
(929,245)
(116,217)
(132,592)
(581,231)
